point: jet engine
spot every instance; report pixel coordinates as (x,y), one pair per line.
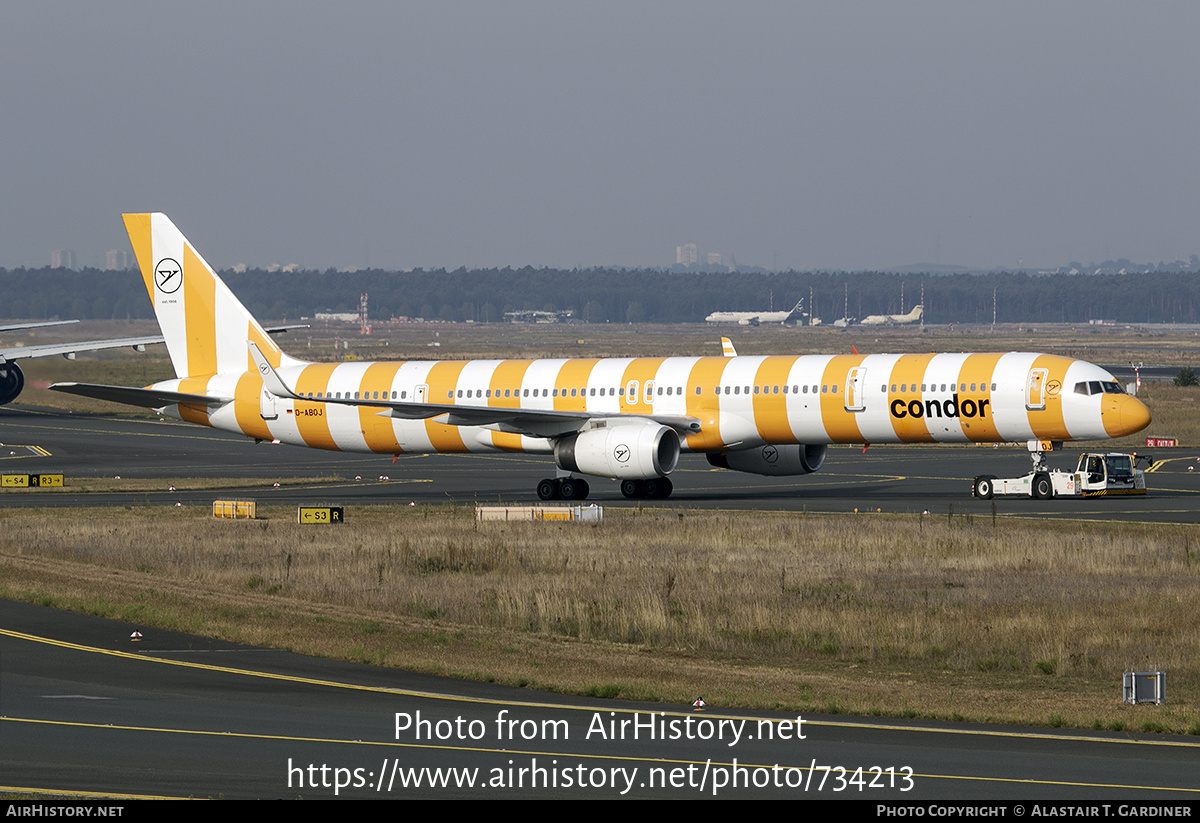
(624,451)
(773,460)
(12,380)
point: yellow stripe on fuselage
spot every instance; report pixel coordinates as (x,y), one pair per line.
(508,376)
(443,380)
(770,404)
(312,419)
(572,385)
(1048,423)
(904,386)
(643,370)
(705,374)
(979,370)
(377,430)
(841,425)
(194,414)
(246,406)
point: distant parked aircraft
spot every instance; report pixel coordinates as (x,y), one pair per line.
(894,319)
(754,318)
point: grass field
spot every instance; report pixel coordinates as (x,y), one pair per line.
(941,617)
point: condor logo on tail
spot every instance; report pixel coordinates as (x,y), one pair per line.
(940,408)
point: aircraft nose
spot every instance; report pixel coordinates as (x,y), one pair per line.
(1124,414)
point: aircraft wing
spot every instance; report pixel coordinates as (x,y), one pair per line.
(21,326)
(531,422)
(69,350)
(147,398)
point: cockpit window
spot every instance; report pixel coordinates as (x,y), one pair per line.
(1091,387)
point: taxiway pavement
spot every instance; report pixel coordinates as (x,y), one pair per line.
(893,479)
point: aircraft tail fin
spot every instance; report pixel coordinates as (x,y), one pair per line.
(206,327)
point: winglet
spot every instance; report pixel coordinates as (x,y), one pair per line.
(271,380)
(727,348)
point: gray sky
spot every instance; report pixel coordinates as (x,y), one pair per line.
(834,135)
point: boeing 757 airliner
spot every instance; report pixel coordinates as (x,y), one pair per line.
(628,419)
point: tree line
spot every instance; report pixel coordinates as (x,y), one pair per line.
(603,295)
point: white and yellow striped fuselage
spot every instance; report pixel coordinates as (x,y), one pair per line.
(740,402)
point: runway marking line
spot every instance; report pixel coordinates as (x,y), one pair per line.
(335,684)
(37,451)
(574,755)
(1158,464)
(78,793)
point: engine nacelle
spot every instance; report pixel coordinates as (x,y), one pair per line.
(624,451)
(777,461)
(12,380)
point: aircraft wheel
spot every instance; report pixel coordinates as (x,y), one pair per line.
(547,490)
(631,488)
(984,487)
(657,487)
(1043,489)
(569,489)
(583,489)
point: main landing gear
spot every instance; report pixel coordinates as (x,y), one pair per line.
(655,488)
(576,488)
(563,488)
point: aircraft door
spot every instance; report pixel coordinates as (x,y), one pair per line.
(855,394)
(266,405)
(1035,389)
(631,392)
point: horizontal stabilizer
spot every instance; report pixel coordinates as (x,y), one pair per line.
(147,398)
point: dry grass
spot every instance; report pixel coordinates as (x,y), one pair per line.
(1021,621)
